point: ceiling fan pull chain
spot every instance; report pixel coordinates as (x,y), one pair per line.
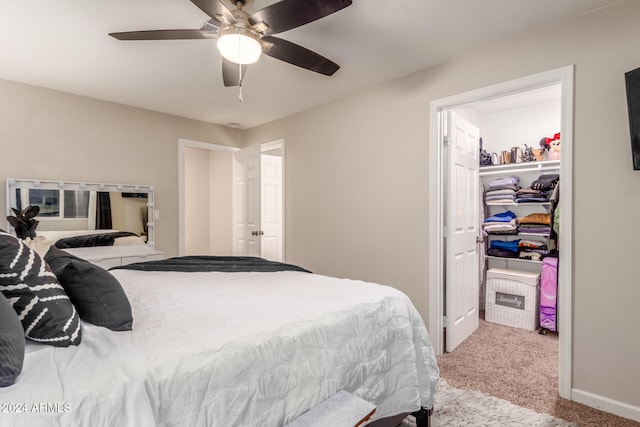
(240,83)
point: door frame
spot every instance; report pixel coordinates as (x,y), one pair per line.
(182,144)
(565,77)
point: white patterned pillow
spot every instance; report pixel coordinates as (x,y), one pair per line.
(43,307)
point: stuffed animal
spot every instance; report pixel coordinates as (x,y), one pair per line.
(554,149)
(24,223)
(552,146)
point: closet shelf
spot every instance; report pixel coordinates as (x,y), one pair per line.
(520,234)
(515,168)
(545,204)
(502,258)
(546,235)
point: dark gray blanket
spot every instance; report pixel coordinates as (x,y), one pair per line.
(200,263)
(88,240)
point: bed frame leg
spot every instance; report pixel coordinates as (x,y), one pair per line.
(423,417)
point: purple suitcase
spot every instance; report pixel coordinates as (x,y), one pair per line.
(549,293)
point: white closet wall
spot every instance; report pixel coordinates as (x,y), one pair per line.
(520,126)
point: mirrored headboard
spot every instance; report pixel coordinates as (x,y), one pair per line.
(68,206)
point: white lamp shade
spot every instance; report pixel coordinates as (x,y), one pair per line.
(239,48)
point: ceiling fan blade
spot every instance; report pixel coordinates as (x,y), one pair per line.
(164,35)
(300,56)
(230,73)
(288,14)
(215,9)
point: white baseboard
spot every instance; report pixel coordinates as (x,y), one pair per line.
(605,404)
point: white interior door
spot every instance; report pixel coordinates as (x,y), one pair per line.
(247,202)
(271,184)
(462,231)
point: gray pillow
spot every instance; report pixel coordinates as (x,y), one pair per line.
(11,344)
(96,293)
(46,314)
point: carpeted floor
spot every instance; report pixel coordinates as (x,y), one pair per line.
(521,367)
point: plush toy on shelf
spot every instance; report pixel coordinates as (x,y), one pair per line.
(552,146)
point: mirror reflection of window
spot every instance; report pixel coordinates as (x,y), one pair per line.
(76,204)
(56,203)
(47,200)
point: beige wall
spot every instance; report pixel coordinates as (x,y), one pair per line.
(53,135)
(357,182)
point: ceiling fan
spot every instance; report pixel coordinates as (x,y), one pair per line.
(242,38)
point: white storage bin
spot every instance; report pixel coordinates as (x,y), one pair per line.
(513,298)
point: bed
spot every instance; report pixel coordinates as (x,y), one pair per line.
(84,238)
(251,345)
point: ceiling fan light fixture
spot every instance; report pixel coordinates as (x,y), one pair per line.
(239,45)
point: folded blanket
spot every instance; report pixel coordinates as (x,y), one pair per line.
(501,192)
(501,232)
(501,253)
(501,201)
(503,187)
(511,180)
(510,245)
(534,228)
(529,190)
(202,263)
(535,218)
(89,240)
(530,199)
(507,216)
(531,244)
(499,226)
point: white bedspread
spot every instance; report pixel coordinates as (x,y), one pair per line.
(103,382)
(230,349)
(259,349)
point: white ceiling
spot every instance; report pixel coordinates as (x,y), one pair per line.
(64,45)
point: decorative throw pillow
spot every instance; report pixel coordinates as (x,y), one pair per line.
(30,286)
(11,344)
(96,294)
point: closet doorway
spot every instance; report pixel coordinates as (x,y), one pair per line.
(440,277)
(209,208)
(205,198)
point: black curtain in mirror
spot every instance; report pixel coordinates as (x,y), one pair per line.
(103,211)
(18,199)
